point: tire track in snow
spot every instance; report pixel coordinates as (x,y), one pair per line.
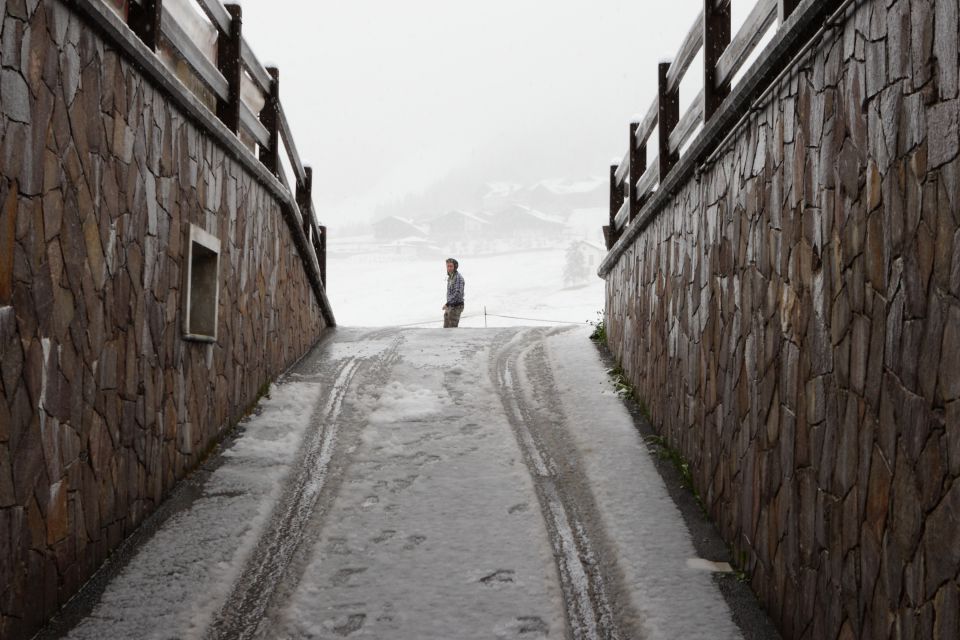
(244,608)
(589,613)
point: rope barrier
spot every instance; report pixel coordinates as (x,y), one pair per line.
(493,315)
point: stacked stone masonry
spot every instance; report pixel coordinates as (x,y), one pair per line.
(104,405)
(792,319)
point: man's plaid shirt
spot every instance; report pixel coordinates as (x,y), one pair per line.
(454,289)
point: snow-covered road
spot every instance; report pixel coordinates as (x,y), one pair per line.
(418,484)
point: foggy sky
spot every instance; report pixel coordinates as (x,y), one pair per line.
(387,97)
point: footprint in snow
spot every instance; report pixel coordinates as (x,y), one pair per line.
(341,577)
(501,575)
(414,541)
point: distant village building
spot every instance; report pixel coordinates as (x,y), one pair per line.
(591,253)
(557,197)
(520,220)
(459,226)
(582,261)
(396,228)
(412,248)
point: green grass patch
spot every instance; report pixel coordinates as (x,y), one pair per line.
(599,329)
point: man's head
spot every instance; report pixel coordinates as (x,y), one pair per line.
(452,265)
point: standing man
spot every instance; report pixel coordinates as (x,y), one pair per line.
(454,306)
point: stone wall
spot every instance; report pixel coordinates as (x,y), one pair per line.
(105,406)
(792,319)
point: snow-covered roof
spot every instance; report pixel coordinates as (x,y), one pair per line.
(405,221)
(562,187)
(501,189)
(465,214)
(523,209)
(591,245)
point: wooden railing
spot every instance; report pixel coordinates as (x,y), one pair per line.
(224,78)
(633,179)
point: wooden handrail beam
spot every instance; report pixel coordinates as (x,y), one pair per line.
(648,123)
(220,16)
(622,218)
(746,40)
(252,125)
(200,63)
(648,180)
(687,125)
(623,168)
(258,73)
(688,50)
(291,147)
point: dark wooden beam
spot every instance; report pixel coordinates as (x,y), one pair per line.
(669,114)
(305,197)
(616,201)
(143,18)
(638,164)
(269,118)
(716,38)
(785,8)
(321,250)
(228,61)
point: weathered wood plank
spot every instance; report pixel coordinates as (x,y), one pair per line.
(291,146)
(746,40)
(252,125)
(623,167)
(649,179)
(622,218)
(201,64)
(217,13)
(687,125)
(257,71)
(688,51)
(647,124)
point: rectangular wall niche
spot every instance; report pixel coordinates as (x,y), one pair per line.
(203,286)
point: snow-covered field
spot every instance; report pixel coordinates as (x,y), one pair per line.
(368,286)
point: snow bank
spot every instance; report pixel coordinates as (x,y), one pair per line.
(676,599)
(182,575)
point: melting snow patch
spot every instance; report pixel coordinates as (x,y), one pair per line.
(703,564)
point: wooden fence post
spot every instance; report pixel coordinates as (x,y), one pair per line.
(638,164)
(143,18)
(270,119)
(716,38)
(616,201)
(228,61)
(668,116)
(305,198)
(322,255)
(784,9)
